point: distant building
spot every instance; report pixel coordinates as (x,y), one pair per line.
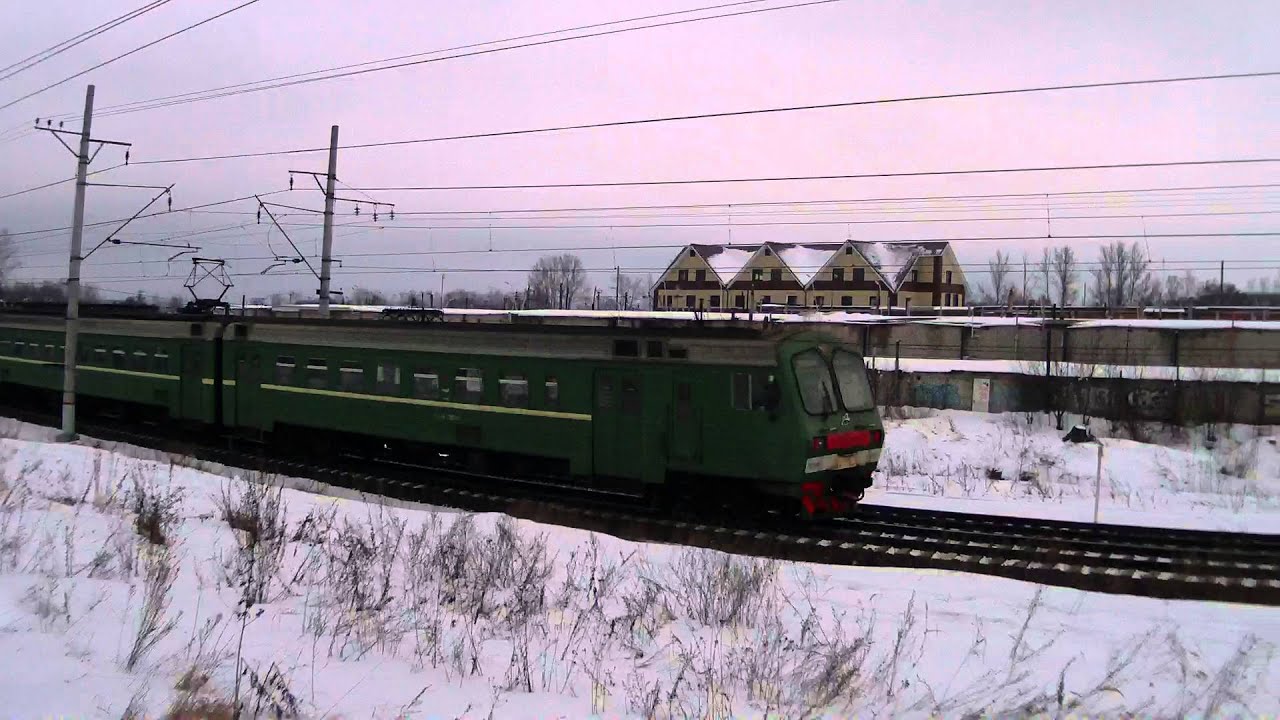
(849,274)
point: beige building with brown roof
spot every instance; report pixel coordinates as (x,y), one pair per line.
(849,274)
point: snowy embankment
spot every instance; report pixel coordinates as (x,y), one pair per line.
(134,587)
(1209,478)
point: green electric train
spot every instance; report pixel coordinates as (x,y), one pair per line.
(730,410)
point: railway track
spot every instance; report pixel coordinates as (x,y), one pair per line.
(1152,562)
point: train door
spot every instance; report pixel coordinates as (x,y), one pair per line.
(248,379)
(619,446)
(686,425)
(193,388)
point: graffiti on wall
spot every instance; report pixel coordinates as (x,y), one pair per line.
(936,395)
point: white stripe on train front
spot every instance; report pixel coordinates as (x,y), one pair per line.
(840,462)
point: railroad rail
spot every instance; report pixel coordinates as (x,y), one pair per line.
(1120,559)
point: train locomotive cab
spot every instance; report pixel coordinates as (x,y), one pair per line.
(834,411)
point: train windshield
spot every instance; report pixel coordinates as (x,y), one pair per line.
(851,374)
(817,390)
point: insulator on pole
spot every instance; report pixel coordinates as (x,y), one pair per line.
(375,214)
(170,202)
(259,214)
(357,209)
(126,157)
(290,182)
(393,213)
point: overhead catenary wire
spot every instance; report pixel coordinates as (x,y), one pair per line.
(53,51)
(57,182)
(716,115)
(126,54)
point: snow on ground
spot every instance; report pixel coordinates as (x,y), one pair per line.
(1018,464)
(1080,370)
(124,585)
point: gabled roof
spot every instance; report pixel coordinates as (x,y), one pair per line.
(726,260)
(894,260)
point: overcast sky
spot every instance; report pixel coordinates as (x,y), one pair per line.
(825,53)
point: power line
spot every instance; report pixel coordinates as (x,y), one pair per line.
(148,215)
(794,178)
(715,115)
(56,182)
(123,55)
(346,71)
(51,52)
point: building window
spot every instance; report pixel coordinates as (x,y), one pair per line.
(682,275)
(552,388)
(514,391)
(426,384)
(692,253)
(948,277)
(669,300)
(468,385)
(714,301)
(819,301)
(765,299)
(791,300)
(848,251)
(387,378)
(741,391)
(317,373)
(874,301)
(689,301)
(351,376)
(859,275)
(846,300)
(837,274)
(775,275)
(700,275)
(757,275)
(915,276)
(767,252)
(740,301)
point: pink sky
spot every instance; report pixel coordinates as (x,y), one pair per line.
(829,53)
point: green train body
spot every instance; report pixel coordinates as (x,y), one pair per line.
(740,409)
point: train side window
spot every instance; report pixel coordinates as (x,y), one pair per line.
(5,347)
(317,373)
(100,356)
(426,384)
(741,388)
(626,348)
(285,367)
(50,352)
(141,361)
(630,396)
(514,391)
(552,387)
(351,376)
(388,378)
(118,359)
(162,361)
(468,385)
(19,348)
(684,401)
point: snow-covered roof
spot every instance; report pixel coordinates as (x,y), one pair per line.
(895,259)
(805,260)
(1183,324)
(726,261)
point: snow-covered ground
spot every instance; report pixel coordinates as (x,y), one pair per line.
(131,586)
(1219,478)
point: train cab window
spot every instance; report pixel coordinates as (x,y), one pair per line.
(851,374)
(317,373)
(468,386)
(426,384)
(741,390)
(388,378)
(630,396)
(118,359)
(552,393)
(285,367)
(813,376)
(514,391)
(351,376)
(161,359)
(141,361)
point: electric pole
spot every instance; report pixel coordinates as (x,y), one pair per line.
(326,255)
(83,159)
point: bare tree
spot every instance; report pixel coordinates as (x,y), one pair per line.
(1060,269)
(8,260)
(999,268)
(556,280)
(1123,276)
(629,290)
